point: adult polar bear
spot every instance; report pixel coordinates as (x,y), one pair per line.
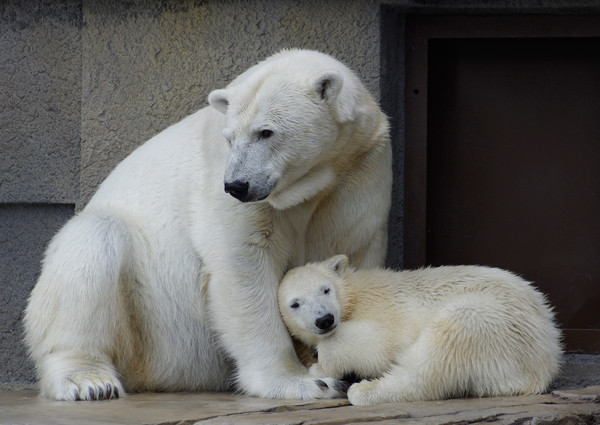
(165,282)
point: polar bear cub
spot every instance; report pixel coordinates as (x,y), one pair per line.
(425,334)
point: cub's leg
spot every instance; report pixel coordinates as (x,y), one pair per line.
(472,347)
(76,311)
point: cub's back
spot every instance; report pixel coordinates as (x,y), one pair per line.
(432,286)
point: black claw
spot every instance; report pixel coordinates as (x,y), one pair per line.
(322,384)
(342,386)
(76,395)
(116,392)
(109,391)
(101,394)
(91,393)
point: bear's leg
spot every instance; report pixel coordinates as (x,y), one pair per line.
(254,335)
(76,311)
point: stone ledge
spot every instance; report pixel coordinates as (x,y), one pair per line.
(562,407)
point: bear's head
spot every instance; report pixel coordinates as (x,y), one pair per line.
(314,299)
(288,120)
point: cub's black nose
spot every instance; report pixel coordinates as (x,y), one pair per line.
(325,322)
(237,189)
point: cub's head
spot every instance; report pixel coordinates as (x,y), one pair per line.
(284,117)
(313,299)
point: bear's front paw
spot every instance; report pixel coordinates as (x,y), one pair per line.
(85,386)
(317,388)
(79,379)
(298,387)
(326,388)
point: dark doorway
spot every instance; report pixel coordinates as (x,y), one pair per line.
(510,160)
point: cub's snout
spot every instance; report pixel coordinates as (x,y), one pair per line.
(325,323)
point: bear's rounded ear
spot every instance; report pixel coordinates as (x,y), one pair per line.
(219,100)
(328,86)
(338,264)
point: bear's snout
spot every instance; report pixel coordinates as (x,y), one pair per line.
(243,191)
(325,323)
(238,189)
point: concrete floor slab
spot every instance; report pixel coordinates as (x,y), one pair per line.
(562,407)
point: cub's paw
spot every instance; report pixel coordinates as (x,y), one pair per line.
(364,393)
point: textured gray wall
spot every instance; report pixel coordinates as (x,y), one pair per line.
(40,110)
(24,231)
(84,82)
(40,101)
(147,67)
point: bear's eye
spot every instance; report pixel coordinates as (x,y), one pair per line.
(294,306)
(265,134)
(326,291)
(228,134)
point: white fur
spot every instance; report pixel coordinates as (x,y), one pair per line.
(165,282)
(425,334)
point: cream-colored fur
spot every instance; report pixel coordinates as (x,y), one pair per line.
(425,334)
(165,282)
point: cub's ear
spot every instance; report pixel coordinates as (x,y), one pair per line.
(219,100)
(338,264)
(331,87)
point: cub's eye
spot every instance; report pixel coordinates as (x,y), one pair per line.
(265,134)
(326,291)
(294,306)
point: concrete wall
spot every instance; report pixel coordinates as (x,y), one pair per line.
(84,82)
(40,123)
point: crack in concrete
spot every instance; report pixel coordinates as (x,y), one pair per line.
(277,409)
(295,408)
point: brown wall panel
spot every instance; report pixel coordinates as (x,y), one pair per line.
(511,161)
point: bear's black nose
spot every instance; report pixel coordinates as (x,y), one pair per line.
(238,189)
(325,322)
